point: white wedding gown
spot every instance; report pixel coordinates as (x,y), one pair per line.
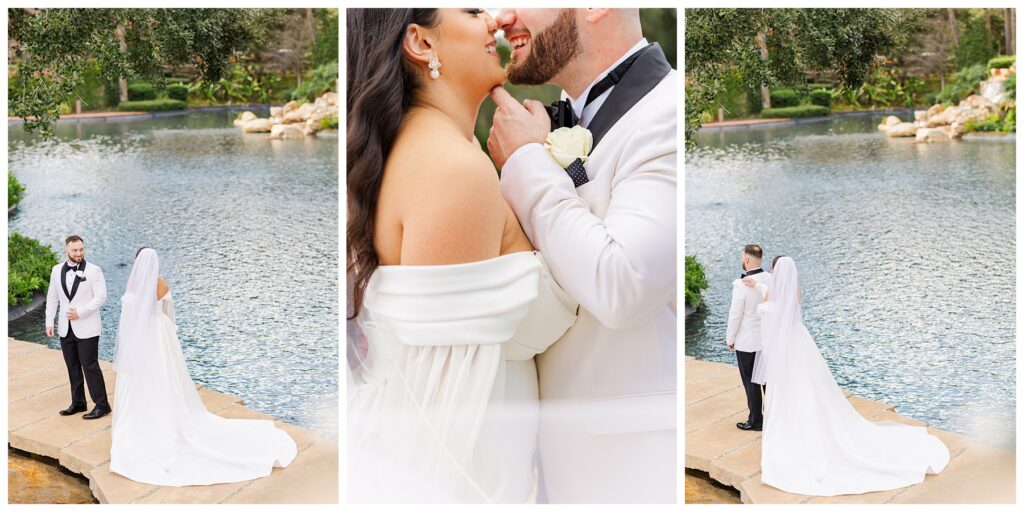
(814,442)
(162,433)
(443,406)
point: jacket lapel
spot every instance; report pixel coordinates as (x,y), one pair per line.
(78,280)
(644,75)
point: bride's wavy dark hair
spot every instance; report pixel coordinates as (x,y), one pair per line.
(381,86)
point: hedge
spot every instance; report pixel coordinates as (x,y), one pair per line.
(178,92)
(141,91)
(821,97)
(29,266)
(151,105)
(1001,61)
(695,280)
(794,112)
(784,98)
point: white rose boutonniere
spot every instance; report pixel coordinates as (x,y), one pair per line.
(80,273)
(566,145)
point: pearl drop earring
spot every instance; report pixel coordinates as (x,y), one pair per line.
(434,64)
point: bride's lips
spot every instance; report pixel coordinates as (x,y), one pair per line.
(492,49)
(520,44)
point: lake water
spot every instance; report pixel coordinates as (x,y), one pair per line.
(906,254)
(246,229)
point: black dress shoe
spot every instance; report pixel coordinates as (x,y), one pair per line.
(747,426)
(72,409)
(97,412)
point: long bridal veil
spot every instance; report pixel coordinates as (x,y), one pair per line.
(814,441)
(138,316)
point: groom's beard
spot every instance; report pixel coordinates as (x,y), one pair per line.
(550,52)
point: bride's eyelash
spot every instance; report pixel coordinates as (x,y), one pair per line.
(475,12)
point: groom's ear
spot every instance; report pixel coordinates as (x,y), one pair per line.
(595,15)
(417,44)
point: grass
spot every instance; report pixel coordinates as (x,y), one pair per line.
(151,105)
(29,265)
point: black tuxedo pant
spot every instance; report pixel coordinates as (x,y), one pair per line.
(81,355)
(745,360)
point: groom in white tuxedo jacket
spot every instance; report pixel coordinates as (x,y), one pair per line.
(743,332)
(608,230)
(79,289)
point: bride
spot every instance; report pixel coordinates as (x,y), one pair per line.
(452,298)
(814,442)
(162,433)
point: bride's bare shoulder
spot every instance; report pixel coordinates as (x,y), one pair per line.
(445,192)
(161,287)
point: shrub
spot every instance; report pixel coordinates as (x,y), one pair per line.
(976,46)
(784,98)
(696,282)
(151,105)
(1001,61)
(329,123)
(178,92)
(965,82)
(14,190)
(821,97)
(1010,86)
(29,266)
(141,91)
(794,112)
(1010,121)
(318,81)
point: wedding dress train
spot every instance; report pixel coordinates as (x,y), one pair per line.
(443,398)
(814,442)
(162,433)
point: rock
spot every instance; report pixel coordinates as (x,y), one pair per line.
(902,130)
(932,135)
(920,115)
(1000,72)
(331,98)
(943,118)
(973,114)
(288,107)
(888,122)
(286,131)
(956,130)
(275,112)
(257,126)
(245,117)
(300,114)
(933,111)
(975,101)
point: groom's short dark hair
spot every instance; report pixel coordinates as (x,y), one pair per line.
(753,250)
(73,238)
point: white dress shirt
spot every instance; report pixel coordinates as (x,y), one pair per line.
(587,112)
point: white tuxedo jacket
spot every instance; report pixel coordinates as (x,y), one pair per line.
(744,328)
(89,295)
(608,386)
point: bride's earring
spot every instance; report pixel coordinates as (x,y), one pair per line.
(434,64)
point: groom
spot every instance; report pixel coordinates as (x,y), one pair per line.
(607,227)
(78,287)
(743,333)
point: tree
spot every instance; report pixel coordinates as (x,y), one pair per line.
(844,42)
(1010,30)
(53,47)
(977,45)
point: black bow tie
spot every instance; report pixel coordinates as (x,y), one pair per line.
(562,115)
(73,268)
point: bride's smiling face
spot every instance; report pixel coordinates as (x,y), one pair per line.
(467,49)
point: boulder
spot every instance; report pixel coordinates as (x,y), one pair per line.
(975,101)
(275,112)
(245,117)
(330,98)
(300,114)
(902,130)
(288,107)
(956,130)
(932,135)
(286,131)
(920,115)
(257,126)
(933,111)
(943,118)
(888,122)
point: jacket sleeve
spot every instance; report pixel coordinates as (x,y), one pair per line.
(619,267)
(52,299)
(99,295)
(739,296)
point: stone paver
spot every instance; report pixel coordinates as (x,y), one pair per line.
(37,380)
(976,473)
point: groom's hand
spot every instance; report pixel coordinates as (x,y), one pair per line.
(72,314)
(49,332)
(515,125)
